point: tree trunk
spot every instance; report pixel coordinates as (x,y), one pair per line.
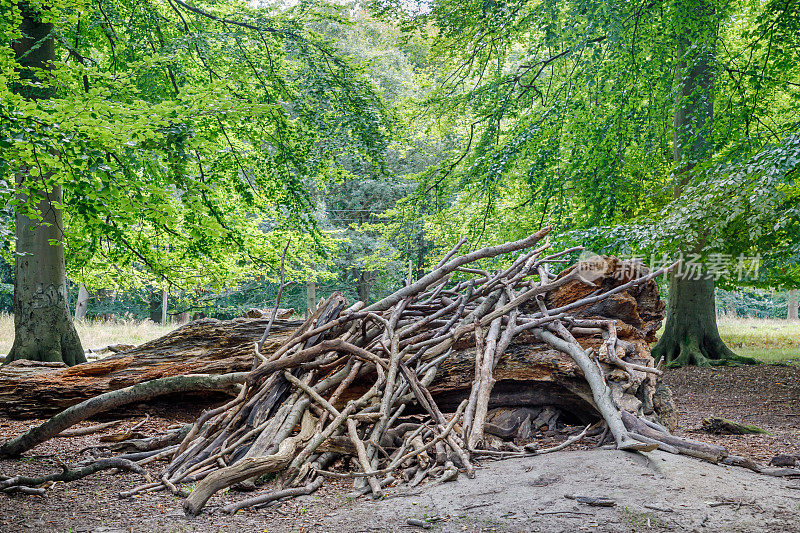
(164,298)
(530,372)
(364,284)
(311,297)
(156,301)
(43,328)
(82,305)
(691,336)
(209,346)
(791,312)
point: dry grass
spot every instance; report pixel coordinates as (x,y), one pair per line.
(770,340)
(97,333)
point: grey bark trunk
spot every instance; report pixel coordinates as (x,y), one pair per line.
(311,297)
(364,284)
(690,335)
(791,313)
(155,306)
(164,298)
(43,328)
(82,304)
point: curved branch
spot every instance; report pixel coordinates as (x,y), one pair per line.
(111,400)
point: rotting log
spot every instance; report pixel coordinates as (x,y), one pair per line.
(116,398)
(533,373)
(206,346)
(530,372)
(723,426)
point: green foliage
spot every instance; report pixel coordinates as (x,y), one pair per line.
(565,114)
(184,136)
(193,140)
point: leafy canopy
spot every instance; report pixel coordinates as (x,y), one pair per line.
(565,111)
(182,134)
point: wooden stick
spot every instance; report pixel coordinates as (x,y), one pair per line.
(600,392)
(78,432)
(111,400)
(246,469)
(447,268)
(352,430)
(68,474)
(274,314)
(273,496)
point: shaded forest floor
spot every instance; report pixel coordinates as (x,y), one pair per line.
(767,396)
(502,498)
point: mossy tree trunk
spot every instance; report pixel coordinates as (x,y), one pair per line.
(690,335)
(43,325)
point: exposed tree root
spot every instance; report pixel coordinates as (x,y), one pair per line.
(690,335)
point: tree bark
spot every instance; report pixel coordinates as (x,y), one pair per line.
(311,297)
(43,328)
(117,398)
(364,281)
(529,372)
(156,300)
(791,312)
(691,336)
(208,346)
(82,305)
(164,299)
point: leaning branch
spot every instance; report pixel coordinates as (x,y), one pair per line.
(111,400)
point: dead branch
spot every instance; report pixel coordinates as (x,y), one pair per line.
(111,400)
(79,432)
(68,474)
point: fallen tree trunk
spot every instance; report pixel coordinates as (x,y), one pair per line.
(110,400)
(529,372)
(207,346)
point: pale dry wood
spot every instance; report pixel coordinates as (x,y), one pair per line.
(247,468)
(88,430)
(352,372)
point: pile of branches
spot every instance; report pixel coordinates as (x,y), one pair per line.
(344,382)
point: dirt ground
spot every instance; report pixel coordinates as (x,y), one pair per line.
(767,396)
(516,495)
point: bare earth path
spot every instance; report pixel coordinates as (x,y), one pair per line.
(516,495)
(528,495)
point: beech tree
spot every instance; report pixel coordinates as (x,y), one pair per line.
(42,322)
(181,135)
(638,128)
